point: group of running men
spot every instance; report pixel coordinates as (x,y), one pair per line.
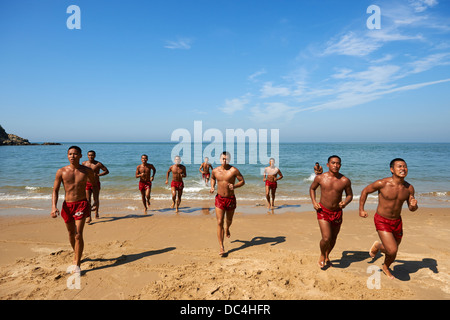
(81,182)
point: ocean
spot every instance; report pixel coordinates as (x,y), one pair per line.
(27,172)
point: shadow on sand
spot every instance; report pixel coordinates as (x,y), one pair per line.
(256,241)
(111,219)
(125,258)
(401,269)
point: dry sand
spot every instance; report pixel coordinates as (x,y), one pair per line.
(166,256)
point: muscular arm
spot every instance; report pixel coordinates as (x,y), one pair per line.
(213,182)
(56,185)
(240,179)
(95,190)
(152,167)
(138,175)
(281,175)
(412,202)
(167,174)
(376,186)
(312,192)
(348,195)
(104,169)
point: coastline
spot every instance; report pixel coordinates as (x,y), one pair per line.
(164,256)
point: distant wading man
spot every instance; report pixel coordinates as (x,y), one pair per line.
(146,173)
(329,209)
(225,201)
(392,193)
(318,169)
(96,166)
(76,207)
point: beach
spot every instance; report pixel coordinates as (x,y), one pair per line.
(271,255)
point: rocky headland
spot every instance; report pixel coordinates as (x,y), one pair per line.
(9,139)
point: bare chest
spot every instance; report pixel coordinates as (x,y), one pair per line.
(393,193)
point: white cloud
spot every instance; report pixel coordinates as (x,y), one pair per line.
(363,44)
(233,105)
(431,61)
(352,45)
(422,5)
(273,111)
(255,75)
(386,57)
(268,90)
(311,87)
(351,99)
(184,43)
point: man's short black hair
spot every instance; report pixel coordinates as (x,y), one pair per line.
(74,147)
(334,156)
(391,164)
(92,152)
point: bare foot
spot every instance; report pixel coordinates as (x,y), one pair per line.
(321,262)
(374,249)
(73,269)
(227,233)
(222,251)
(387,272)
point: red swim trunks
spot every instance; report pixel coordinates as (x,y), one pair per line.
(145,185)
(334,217)
(394,226)
(206,175)
(225,203)
(178,185)
(89,185)
(271,184)
(75,210)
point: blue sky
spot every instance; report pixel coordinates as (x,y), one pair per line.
(138,70)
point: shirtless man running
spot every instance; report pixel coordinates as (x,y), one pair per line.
(96,166)
(76,207)
(225,201)
(178,173)
(204,169)
(145,175)
(329,209)
(392,193)
(271,175)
